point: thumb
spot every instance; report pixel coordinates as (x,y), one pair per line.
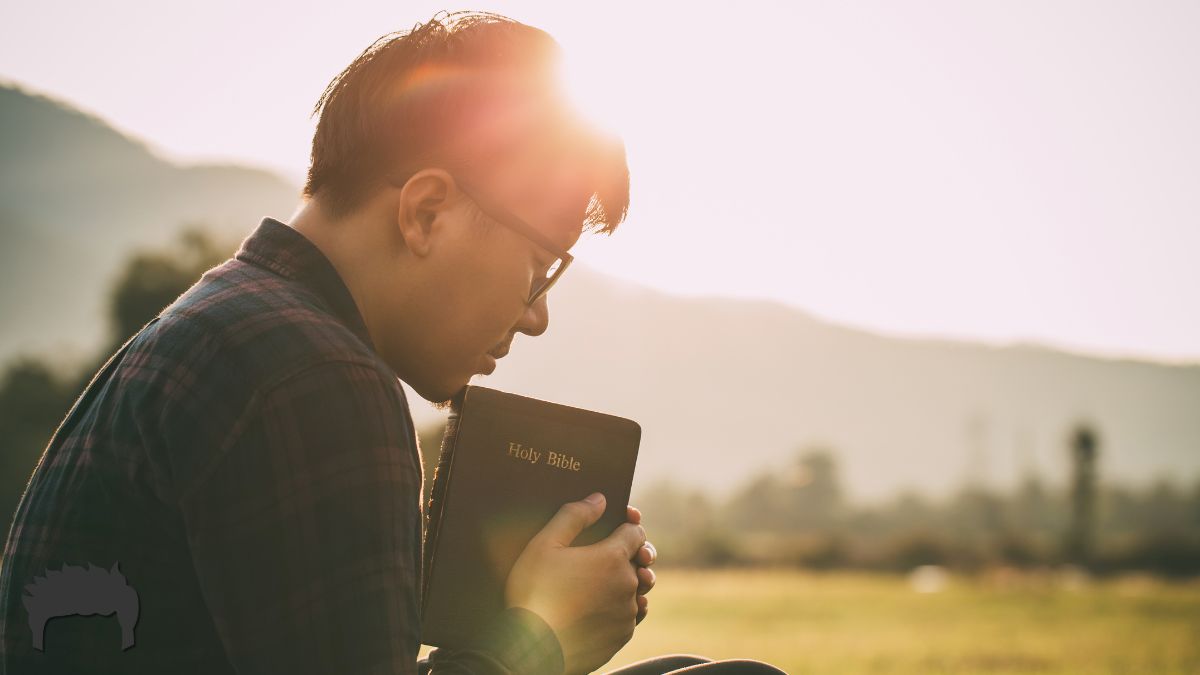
(571,519)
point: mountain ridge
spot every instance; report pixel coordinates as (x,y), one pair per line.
(77,197)
(724,387)
(805,383)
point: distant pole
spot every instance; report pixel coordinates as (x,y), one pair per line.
(1081,533)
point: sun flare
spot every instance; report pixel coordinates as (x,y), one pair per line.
(588,81)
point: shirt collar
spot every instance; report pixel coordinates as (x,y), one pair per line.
(283,250)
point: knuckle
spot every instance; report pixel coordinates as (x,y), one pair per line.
(574,509)
(620,574)
(616,558)
(633,534)
(630,582)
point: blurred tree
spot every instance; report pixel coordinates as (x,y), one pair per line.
(812,492)
(1033,509)
(759,506)
(150,281)
(827,551)
(909,510)
(1122,510)
(1017,549)
(805,497)
(1166,505)
(710,548)
(1194,521)
(669,508)
(975,513)
(33,402)
(1172,554)
(684,525)
(915,549)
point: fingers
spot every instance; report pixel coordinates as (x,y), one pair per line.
(646,578)
(633,515)
(643,604)
(629,538)
(573,518)
(646,555)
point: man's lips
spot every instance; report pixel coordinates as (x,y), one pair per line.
(494,356)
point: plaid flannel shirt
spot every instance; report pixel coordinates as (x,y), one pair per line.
(250,463)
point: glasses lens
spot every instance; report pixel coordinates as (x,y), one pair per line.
(540,286)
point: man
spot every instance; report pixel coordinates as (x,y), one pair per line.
(248,458)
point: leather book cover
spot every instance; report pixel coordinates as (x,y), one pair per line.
(507,464)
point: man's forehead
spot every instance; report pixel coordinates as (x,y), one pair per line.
(545,171)
(548,198)
(565,218)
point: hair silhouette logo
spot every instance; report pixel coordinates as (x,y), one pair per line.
(75,590)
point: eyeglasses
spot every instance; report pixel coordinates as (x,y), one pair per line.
(506,218)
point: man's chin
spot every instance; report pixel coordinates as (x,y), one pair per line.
(443,399)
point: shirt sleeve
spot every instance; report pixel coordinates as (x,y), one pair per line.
(305,535)
(518,641)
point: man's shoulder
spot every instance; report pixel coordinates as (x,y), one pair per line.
(237,335)
(267,326)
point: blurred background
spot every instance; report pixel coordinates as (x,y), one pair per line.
(907,303)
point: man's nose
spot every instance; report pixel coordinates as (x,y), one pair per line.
(536,318)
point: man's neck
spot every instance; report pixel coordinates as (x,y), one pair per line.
(349,244)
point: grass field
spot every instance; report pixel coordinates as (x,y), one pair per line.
(860,623)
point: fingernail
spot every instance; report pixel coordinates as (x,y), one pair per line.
(595,498)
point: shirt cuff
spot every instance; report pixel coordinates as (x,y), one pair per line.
(524,642)
(518,641)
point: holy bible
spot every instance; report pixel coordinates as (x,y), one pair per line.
(507,464)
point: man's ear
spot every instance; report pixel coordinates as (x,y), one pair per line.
(424,199)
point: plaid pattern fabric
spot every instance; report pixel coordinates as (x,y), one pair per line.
(250,463)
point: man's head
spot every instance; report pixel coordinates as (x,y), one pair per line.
(427,145)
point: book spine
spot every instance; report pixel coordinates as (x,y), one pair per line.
(437,494)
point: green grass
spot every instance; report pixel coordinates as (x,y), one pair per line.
(863,623)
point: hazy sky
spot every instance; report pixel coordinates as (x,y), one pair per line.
(991,170)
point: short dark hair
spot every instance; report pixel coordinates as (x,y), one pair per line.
(447,93)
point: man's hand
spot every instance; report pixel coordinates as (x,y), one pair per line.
(587,594)
(644,558)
